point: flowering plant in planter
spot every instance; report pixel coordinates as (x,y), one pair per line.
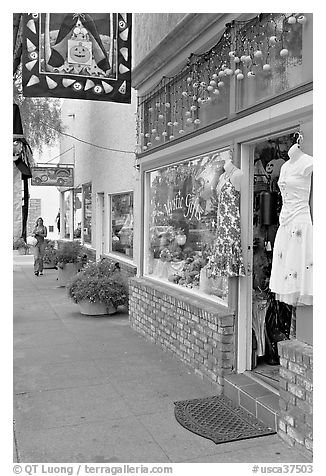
(69,252)
(50,253)
(99,282)
(20,245)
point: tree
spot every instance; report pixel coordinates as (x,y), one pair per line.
(41,117)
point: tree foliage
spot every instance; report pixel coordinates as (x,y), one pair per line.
(41,117)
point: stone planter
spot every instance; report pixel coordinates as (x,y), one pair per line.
(66,273)
(23,251)
(95,308)
(49,265)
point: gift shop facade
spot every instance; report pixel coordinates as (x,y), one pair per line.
(221,99)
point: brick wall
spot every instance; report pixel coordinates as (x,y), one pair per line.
(296,394)
(200,334)
(128,270)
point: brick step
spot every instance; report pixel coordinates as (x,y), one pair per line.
(257,397)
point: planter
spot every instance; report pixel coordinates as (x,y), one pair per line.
(23,251)
(49,265)
(66,273)
(95,308)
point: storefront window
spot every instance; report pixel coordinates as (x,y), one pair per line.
(172,111)
(77,212)
(67,214)
(283,58)
(123,224)
(182,225)
(87,195)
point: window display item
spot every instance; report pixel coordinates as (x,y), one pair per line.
(226,259)
(277,325)
(122,224)
(268,208)
(259,308)
(292,267)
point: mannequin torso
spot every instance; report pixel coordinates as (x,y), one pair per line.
(230,172)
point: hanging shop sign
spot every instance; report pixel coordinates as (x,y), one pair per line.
(53,176)
(77,56)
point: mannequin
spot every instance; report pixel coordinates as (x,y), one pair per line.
(226,259)
(230,172)
(291,276)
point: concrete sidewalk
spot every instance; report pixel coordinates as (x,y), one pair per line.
(90,389)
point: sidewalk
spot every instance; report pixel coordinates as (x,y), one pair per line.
(93,390)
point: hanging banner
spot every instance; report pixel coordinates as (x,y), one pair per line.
(77,56)
(56,176)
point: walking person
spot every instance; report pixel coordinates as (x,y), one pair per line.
(57,220)
(40,232)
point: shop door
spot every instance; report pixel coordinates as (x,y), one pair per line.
(262,320)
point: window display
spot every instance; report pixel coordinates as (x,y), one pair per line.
(183,224)
(87,196)
(77,212)
(123,224)
(66,214)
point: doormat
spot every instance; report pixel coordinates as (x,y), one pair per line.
(219,419)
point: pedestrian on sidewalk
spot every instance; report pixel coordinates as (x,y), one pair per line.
(40,232)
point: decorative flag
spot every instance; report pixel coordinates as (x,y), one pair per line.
(22,153)
(77,56)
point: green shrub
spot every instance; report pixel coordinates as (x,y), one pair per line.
(69,252)
(20,243)
(50,253)
(99,282)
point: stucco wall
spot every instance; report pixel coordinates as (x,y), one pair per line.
(106,129)
(149,29)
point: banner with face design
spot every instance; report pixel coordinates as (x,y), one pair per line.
(77,56)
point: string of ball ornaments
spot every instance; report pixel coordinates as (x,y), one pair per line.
(196,91)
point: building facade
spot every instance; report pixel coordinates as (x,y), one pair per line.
(215,87)
(99,209)
(210,87)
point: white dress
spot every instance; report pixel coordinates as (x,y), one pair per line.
(292,268)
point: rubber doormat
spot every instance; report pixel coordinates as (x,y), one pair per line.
(219,419)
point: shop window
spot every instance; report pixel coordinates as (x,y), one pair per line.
(51,228)
(67,214)
(182,225)
(122,224)
(254,59)
(172,111)
(87,197)
(284,73)
(77,212)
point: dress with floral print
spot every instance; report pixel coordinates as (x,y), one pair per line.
(226,258)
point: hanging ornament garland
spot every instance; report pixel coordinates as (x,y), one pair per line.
(245,50)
